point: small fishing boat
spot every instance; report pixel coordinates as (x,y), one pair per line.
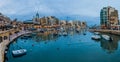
(65,34)
(96,37)
(106,37)
(19,52)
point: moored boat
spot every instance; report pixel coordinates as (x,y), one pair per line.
(97,33)
(65,34)
(106,37)
(19,52)
(96,37)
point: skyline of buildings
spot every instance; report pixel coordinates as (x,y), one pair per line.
(38,23)
(109,19)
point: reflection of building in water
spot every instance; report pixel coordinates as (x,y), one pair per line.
(110,46)
(49,35)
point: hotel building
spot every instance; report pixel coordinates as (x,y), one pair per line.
(109,18)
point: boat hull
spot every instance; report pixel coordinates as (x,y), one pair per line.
(20,52)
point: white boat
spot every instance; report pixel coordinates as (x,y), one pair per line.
(65,34)
(19,52)
(62,29)
(96,33)
(106,37)
(96,37)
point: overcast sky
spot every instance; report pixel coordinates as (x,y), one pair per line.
(56,7)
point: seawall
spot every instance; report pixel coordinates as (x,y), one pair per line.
(4,43)
(115,32)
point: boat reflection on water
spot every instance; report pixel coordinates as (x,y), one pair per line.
(50,35)
(110,46)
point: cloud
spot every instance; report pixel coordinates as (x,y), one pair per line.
(56,7)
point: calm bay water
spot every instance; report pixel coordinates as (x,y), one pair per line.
(75,47)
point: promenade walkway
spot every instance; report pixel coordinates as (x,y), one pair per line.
(115,32)
(4,43)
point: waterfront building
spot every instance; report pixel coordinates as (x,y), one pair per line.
(108,17)
(62,22)
(52,20)
(70,23)
(77,23)
(4,22)
(28,24)
(45,22)
(83,24)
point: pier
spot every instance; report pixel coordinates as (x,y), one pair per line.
(115,32)
(5,42)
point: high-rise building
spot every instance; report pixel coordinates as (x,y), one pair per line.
(108,17)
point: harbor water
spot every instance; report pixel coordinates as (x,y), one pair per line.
(76,47)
